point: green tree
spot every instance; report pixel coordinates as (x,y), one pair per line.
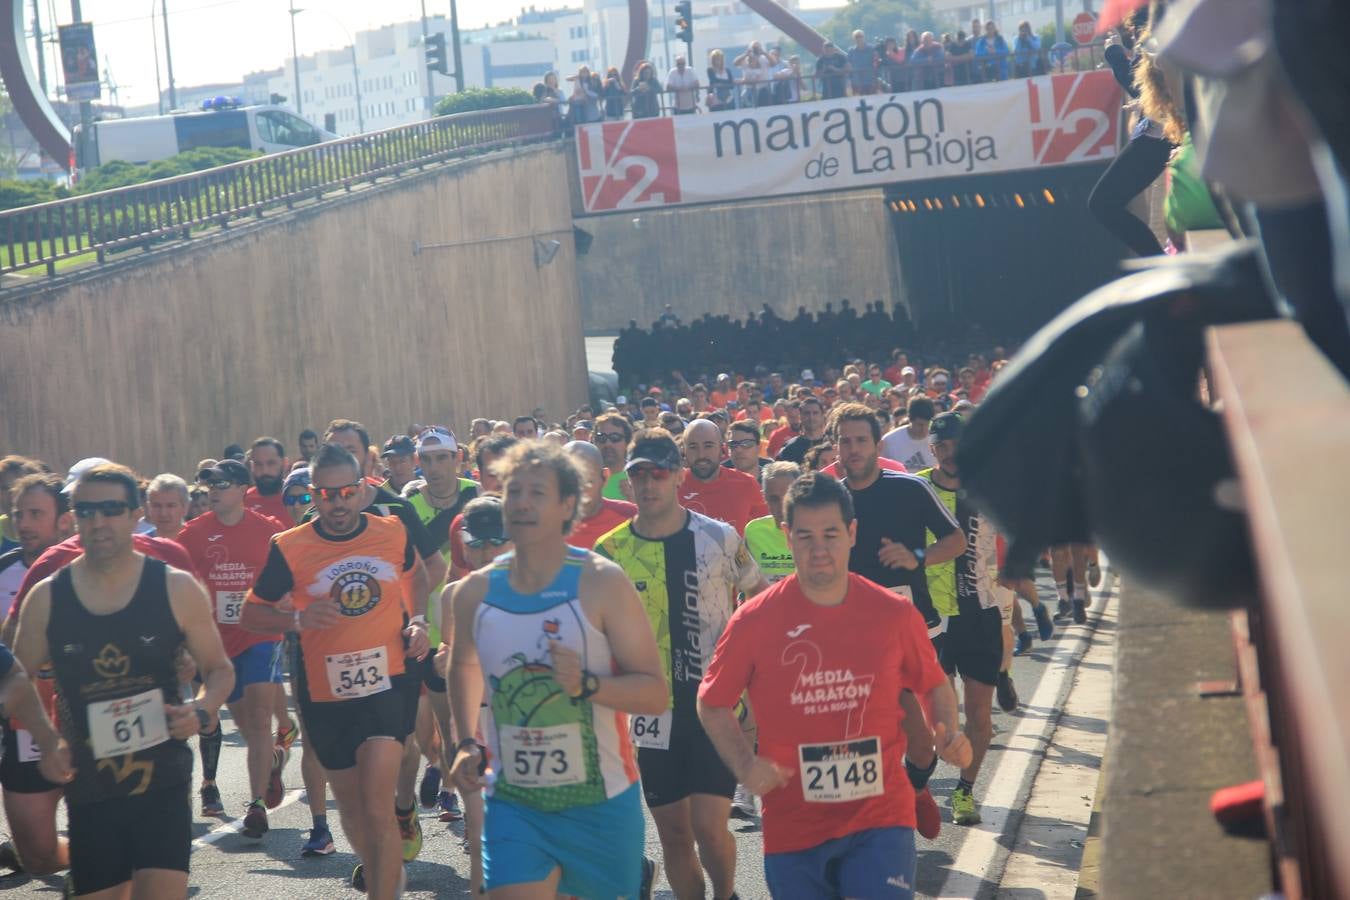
(119,173)
(482,98)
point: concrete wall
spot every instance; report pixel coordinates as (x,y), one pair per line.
(163,359)
(733,258)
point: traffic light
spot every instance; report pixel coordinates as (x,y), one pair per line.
(435,47)
(684,21)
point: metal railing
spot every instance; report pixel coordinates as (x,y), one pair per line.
(784,87)
(172,208)
(1286,412)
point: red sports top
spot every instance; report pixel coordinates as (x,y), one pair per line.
(228,558)
(825,684)
(273,505)
(612,514)
(732,497)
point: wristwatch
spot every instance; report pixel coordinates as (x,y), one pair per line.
(590,683)
(418,620)
(919,555)
(203,720)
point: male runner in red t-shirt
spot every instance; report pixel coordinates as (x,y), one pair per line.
(268,465)
(229,545)
(602,515)
(825,655)
(719,493)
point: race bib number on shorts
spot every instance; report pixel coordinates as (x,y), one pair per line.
(358,674)
(229,605)
(29,752)
(841,772)
(542,757)
(118,727)
(651,732)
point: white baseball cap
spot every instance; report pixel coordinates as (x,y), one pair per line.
(79,469)
(437,439)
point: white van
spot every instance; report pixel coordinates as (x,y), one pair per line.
(270,129)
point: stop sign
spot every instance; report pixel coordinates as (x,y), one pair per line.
(1084,27)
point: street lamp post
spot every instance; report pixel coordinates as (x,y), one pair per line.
(295,59)
(154,39)
(168,59)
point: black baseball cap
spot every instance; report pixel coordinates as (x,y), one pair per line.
(227,470)
(234,451)
(399,445)
(659,451)
(483,519)
(947,427)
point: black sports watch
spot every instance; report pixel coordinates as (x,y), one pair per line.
(590,683)
(203,720)
(919,555)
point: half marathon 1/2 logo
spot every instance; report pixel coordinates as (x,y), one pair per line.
(628,164)
(915,132)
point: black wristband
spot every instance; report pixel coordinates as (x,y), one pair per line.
(467,743)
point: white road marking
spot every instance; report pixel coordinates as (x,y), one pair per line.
(1023,748)
(234,826)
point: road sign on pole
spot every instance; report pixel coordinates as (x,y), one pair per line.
(1084,27)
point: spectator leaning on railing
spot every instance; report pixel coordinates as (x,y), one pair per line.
(992,51)
(721,83)
(1027,52)
(584,103)
(832,71)
(755,75)
(646,92)
(862,65)
(958,52)
(927,64)
(787,77)
(614,94)
(683,84)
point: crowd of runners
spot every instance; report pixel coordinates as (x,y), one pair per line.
(765,598)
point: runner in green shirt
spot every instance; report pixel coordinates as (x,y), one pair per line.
(764,536)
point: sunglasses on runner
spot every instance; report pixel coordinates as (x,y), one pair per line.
(601,437)
(223,485)
(346,492)
(478,542)
(107,508)
(655,473)
(295,499)
(745,442)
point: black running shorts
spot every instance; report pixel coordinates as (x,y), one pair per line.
(690,766)
(20,777)
(337,728)
(973,645)
(112,839)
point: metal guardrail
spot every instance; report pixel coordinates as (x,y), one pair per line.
(1286,412)
(142,214)
(783,88)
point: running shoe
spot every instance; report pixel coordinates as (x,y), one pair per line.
(964,809)
(359,878)
(743,804)
(1094,574)
(1007,692)
(449,803)
(211,805)
(9,857)
(1045,627)
(431,787)
(320,843)
(286,735)
(648,879)
(1079,612)
(410,830)
(1064,611)
(255,820)
(1023,643)
(926,814)
(276,791)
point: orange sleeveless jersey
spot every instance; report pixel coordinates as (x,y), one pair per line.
(365,577)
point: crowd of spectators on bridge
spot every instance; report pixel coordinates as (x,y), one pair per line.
(768,76)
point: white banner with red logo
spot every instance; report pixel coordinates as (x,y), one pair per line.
(851,142)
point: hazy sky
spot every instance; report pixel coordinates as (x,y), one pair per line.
(220,40)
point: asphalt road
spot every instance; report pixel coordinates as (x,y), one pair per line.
(227,864)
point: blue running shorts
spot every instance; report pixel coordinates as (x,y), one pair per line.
(259,664)
(876,864)
(598,847)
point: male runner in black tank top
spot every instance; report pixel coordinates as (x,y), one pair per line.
(111,625)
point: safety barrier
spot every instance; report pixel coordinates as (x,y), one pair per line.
(93,225)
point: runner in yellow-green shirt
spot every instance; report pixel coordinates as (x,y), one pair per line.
(764,536)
